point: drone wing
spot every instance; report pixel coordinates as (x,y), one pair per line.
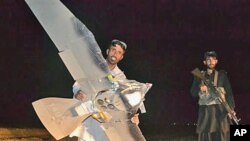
(61,116)
(83,58)
(76,44)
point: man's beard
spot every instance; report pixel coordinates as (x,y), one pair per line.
(212,67)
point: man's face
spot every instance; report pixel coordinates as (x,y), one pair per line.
(210,62)
(115,54)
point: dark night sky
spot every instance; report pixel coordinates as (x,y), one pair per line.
(166,40)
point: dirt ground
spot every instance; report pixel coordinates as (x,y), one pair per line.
(27,134)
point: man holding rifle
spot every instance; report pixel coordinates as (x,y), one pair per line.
(213,118)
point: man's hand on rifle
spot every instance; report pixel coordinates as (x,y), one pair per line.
(232,113)
(203,89)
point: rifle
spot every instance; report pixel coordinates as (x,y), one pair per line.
(217,94)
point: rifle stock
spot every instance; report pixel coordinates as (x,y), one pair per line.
(217,94)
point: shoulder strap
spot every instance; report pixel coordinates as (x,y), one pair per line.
(203,73)
(216,77)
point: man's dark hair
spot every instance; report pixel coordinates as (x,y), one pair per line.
(210,54)
(118,42)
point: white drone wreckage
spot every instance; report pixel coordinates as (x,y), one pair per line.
(110,102)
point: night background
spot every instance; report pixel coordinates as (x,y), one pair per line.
(166,40)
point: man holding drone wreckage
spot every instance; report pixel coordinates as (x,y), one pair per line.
(92,128)
(111,102)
